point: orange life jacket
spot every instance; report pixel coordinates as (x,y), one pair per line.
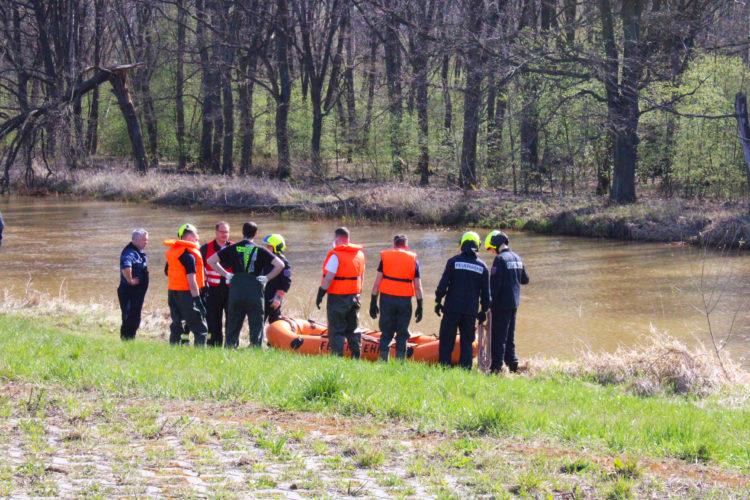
(213,278)
(399,267)
(176,276)
(351,269)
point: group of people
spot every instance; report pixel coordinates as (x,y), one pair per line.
(233,281)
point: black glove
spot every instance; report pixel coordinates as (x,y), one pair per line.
(418,312)
(438,308)
(374,311)
(319,298)
(198,305)
(482,317)
(204,294)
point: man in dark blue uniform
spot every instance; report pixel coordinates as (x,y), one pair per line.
(278,287)
(507,276)
(133,283)
(465,281)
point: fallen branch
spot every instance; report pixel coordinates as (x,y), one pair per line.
(26,124)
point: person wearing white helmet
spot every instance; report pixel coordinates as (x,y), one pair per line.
(507,275)
(464,284)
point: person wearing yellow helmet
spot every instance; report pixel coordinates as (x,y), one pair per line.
(506,277)
(278,287)
(186,276)
(464,284)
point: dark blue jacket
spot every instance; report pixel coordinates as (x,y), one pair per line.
(138,262)
(465,280)
(282,281)
(508,274)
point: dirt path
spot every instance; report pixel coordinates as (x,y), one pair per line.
(61,443)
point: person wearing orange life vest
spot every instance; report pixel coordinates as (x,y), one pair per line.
(186,277)
(343,274)
(217,288)
(398,280)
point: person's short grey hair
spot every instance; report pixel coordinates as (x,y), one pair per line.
(138,233)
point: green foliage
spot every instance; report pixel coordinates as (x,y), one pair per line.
(323,386)
(629,469)
(704,158)
(566,410)
(575,466)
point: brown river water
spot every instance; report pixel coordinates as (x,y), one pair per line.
(583,292)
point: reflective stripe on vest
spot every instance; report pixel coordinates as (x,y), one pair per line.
(212,277)
(176,276)
(348,279)
(399,268)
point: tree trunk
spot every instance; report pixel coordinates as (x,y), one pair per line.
(740,108)
(622,102)
(247,120)
(120,89)
(496,104)
(529,127)
(472,94)
(151,123)
(371,78)
(228,28)
(285,89)
(351,103)
(420,66)
(227,161)
(179,86)
(444,73)
(395,98)
(317,128)
(204,156)
(569,13)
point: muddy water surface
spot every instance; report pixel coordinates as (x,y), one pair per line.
(583,292)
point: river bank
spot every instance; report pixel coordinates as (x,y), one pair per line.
(694,222)
(84,414)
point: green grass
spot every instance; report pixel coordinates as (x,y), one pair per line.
(558,409)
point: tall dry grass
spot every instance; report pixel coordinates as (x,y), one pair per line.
(657,365)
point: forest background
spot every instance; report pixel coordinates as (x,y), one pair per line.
(559,97)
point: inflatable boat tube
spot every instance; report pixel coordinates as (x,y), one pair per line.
(310,337)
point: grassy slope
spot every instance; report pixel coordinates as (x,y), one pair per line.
(560,410)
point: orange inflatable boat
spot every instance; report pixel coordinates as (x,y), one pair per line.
(310,337)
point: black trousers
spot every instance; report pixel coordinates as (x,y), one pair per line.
(503,340)
(343,317)
(395,315)
(186,318)
(131,302)
(466,325)
(245,300)
(217,301)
